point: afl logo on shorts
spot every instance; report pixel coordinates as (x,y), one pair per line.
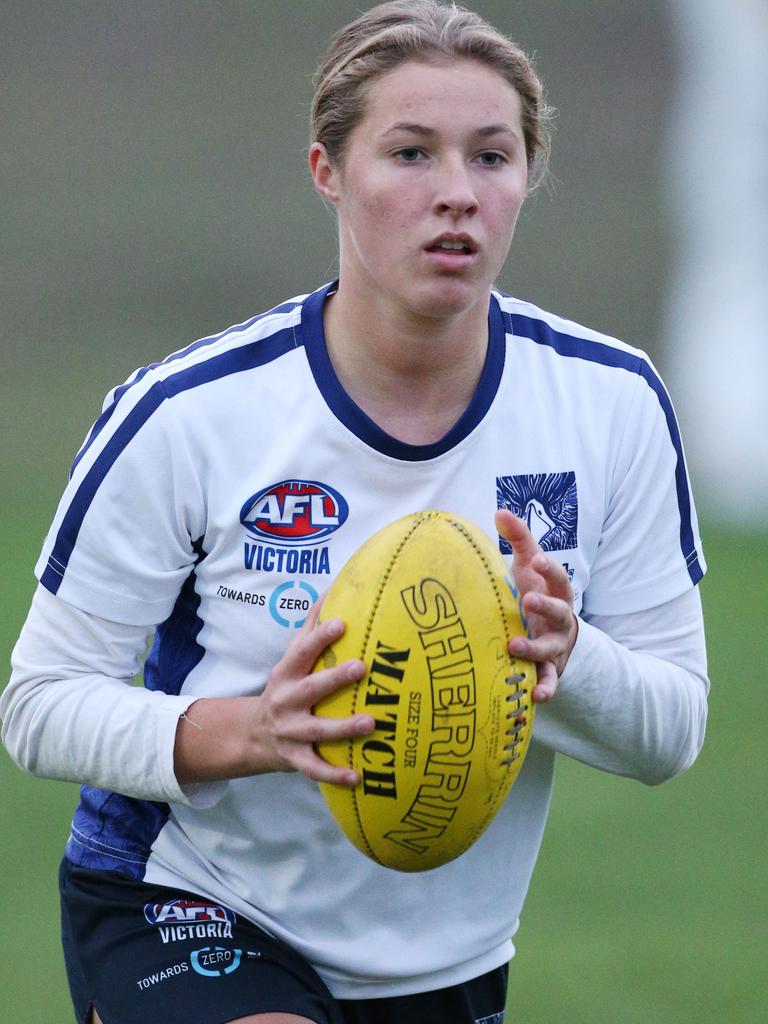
(294,512)
(179,920)
(187,912)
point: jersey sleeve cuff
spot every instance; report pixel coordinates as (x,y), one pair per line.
(131,610)
(642,595)
(200,795)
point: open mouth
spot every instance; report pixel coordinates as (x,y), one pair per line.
(452,246)
(459,247)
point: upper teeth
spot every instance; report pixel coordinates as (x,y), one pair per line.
(452,245)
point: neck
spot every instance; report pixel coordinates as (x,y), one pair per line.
(413,375)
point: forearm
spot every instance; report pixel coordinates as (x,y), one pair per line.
(70,713)
(634,702)
(218,739)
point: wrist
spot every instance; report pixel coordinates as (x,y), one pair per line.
(573,636)
(215,741)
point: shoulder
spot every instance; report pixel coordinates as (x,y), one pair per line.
(241,346)
(594,369)
(570,340)
(225,356)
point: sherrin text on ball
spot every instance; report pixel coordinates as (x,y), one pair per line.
(429,606)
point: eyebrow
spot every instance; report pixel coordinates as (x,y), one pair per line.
(424,130)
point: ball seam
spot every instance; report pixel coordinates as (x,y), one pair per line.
(458,525)
(422,517)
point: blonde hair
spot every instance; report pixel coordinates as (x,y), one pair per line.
(392,33)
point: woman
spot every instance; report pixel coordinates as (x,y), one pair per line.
(222,489)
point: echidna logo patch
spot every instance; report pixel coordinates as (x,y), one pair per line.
(547,502)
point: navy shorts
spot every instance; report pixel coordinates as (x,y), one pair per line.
(140,953)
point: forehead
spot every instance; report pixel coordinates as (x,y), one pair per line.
(465,92)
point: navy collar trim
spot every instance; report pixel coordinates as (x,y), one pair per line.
(353,417)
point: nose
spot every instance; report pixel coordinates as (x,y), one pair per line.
(455,192)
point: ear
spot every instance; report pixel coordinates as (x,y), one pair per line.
(325,175)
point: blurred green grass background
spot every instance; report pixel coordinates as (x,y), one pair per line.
(154,192)
(648,906)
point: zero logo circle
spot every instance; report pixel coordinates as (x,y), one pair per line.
(213,961)
(290,603)
(294,512)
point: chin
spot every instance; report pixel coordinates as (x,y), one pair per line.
(447,298)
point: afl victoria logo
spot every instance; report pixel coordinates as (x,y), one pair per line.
(294,512)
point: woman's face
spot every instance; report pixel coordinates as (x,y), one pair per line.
(429,187)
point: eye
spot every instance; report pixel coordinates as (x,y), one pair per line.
(492,159)
(409,155)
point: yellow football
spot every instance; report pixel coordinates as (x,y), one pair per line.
(429,606)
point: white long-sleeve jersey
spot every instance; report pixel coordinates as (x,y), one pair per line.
(221,491)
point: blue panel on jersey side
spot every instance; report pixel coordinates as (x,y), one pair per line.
(598,352)
(175,650)
(548,502)
(111,832)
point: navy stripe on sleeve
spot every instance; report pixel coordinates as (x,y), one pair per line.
(234,361)
(567,345)
(106,414)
